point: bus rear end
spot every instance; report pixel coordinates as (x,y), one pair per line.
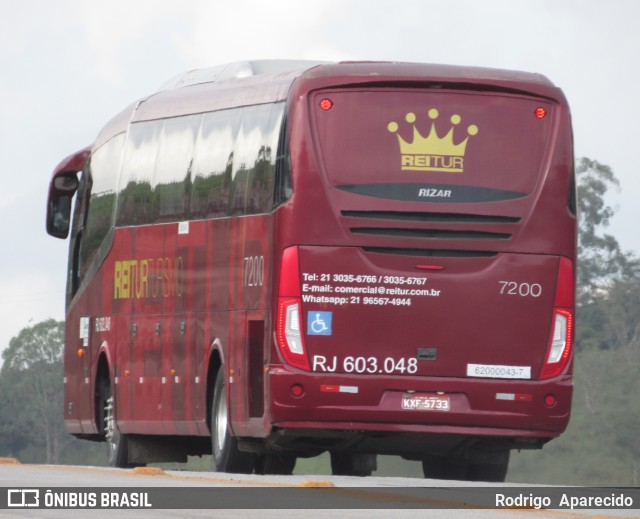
(425,296)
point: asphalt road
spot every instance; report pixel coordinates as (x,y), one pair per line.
(210,494)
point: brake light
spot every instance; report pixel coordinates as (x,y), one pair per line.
(288,323)
(561,344)
(326,104)
(561,340)
(540,112)
(290,273)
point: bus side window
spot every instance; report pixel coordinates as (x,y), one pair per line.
(255,156)
(212,164)
(136,204)
(77,226)
(98,201)
(261,181)
(173,168)
(283,184)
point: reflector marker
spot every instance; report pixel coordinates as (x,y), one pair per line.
(430,267)
(325,388)
(516,397)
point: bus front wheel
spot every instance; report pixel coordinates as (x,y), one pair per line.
(226,455)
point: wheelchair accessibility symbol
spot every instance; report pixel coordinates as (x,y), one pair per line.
(319,323)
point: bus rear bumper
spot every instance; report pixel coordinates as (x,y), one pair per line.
(516,412)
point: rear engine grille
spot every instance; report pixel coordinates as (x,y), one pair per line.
(453,222)
(432,253)
(442,234)
(431,217)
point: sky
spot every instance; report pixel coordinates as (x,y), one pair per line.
(67,66)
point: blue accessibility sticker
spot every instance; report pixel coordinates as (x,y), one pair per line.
(319,323)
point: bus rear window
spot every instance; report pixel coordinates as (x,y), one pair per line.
(382,137)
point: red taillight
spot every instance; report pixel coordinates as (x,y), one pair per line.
(565,287)
(289,330)
(290,273)
(326,104)
(540,113)
(561,340)
(560,346)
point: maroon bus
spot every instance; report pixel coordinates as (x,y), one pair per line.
(271,260)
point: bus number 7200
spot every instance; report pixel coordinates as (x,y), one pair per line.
(253,271)
(513,288)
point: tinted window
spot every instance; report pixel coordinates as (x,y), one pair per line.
(213,163)
(172,173)
(135,196)
(253,176)
(201,166)
(433,137)
(102,172)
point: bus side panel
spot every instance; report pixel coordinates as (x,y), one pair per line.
(176,293)
(89,330)
(251,267)
(73,376)
(180,312)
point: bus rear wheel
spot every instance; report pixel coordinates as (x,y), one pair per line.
(445,468)
(117,443)
(226,455)
(353,463)
(276,463)
(493,468)
(493,471)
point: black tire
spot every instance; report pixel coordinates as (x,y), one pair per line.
(445,468)
(494,472)
(276,463)
(353,464)
(494,469)
(117,443)
(226,455)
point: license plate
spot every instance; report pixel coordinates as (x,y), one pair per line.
(426,402)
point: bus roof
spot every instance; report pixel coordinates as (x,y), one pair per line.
(237,70)
(266,81)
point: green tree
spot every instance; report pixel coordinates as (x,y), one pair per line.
(601,261)
(31,408)
(31,379)
(601,445)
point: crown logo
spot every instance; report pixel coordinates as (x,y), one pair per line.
(433,153)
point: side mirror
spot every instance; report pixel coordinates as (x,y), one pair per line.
(59,215)
(62,188)
(66,183)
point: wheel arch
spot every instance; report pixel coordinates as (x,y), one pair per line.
(102,378)
(216,361)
